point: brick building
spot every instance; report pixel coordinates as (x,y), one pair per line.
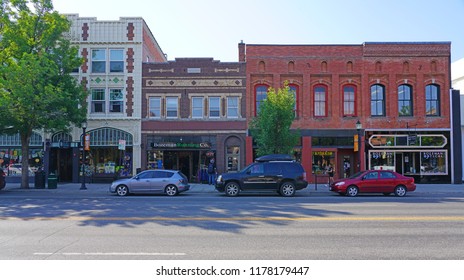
(193,110)
(398,93)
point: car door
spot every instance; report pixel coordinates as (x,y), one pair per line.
(160,180)
(142,182)
(387,181)
(273,174)
(370,182)
(254,177)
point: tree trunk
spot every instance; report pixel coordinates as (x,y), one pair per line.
(25,138)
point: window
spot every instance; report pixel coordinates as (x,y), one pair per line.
(98,100)
(432,100)
(98,61)
(116,61)
(377,100)
(320,101)
(294,91)
(171,107)
(155,107)
(197,107)
(261,94)
(232,107)
(405,100)
(214,107)
(349,101)
(116,101)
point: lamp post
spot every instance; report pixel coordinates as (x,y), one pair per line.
(84,126)
(358,129)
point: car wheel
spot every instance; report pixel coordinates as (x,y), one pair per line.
(352,191)
(171,190)
(400,191)
(287,189)
(232,189)
(122,190)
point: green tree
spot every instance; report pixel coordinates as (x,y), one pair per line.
(271,126)
(37,91)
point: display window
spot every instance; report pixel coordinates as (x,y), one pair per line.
(322,160)
(10,161)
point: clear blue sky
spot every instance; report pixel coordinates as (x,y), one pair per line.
(213,28)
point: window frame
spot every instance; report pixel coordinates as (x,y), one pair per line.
(257,102)
(151,108)
(236,107)
(437,100)
(169,107)
(94,101)
(112,102)
(295,92)
(201,108)
(350,102)
(99,60)
(323,102)
(383,114)
(112,61)
(216,108)
(405,100)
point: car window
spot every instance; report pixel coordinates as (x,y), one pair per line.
(273,168)
(257,169)
(371,175)
(146,175)
(161,174)
(387,175)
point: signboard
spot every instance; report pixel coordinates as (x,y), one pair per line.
(356,143)
(171,145)
(87,142)
(122,144)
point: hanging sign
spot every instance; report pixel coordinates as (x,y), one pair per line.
(87,142)
(122,144)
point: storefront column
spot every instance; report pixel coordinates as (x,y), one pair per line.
(362,150)
(306,155)
(249,150)
(137,159)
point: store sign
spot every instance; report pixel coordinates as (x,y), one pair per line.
(323,153)
(181,145)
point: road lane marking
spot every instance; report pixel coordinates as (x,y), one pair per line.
(109,254)
(246,218)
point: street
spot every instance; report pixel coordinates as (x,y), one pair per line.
(200,225)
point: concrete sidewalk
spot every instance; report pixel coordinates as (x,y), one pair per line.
(94,188)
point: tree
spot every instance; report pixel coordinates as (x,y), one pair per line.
(271,126)
(37,91)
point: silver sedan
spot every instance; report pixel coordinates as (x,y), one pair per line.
(169,182)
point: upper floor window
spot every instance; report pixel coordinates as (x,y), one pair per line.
(103,59)
(197,107)
(155,107)
(349,108)
(320,101)
(98,100)
(260,96)
(432,100)
(214,107)
(377,100)
(294,91)
(172,105)
(232,107)
(102,99)
(405,100)
(116,100)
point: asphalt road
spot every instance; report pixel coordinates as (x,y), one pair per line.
(208,225)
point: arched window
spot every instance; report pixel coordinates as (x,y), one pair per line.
(320,101)
(432,100)
(260,96)
(294,90)
(349,101)
(377,100)
(405,100)
(107,136)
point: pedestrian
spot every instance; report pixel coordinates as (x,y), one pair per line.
(212,172)
(347,168)
(330,171)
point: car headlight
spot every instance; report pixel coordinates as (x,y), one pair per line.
(339,184)
(219,179)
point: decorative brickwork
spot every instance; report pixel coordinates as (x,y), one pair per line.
(130,96)
(85,31)
(85,64)
(130,60)
(130,31)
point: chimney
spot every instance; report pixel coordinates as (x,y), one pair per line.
(241,52)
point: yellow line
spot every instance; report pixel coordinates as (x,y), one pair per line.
(301,218)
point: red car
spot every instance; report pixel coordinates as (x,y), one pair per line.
(374,181)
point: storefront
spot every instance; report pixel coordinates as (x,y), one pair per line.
(11,154)
(422,155)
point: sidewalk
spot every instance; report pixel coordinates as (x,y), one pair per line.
(102,188)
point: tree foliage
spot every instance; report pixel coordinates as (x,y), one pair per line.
(271,126)
(37,91)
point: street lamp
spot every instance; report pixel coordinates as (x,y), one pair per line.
(84,126)
(358,129)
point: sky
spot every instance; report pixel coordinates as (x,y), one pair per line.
(213,28)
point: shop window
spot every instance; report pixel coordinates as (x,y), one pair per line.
(99,61)
(382,160)
(322,160)
(197,107)
(377,100)
(232,107)
(349,101)
(171,107)
(214,107)
(98,100)
(432,100)
(405,100)
(116,101)
(260,96)
(320,101)
(116,61)
(155,107)
(233,159)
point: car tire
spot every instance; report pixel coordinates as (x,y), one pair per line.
(352,191)
(171,190)
(232,189)
(287,189)
(122,190)
(400,191)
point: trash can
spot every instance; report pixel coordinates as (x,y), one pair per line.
(39,179)
(52,181)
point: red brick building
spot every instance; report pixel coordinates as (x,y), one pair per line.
(193,110)
(398,92)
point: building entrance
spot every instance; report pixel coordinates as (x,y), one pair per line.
(61,163)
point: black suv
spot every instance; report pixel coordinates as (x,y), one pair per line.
(271,173)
